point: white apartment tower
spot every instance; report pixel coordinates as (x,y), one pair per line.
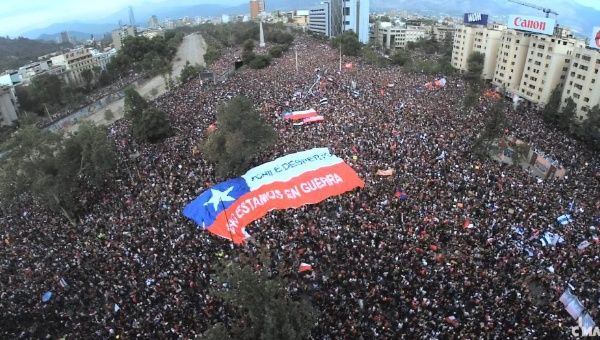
(547,66)
(583,80)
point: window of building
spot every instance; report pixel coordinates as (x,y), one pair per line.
(576,95)
(583,67)
(577,86)
(586,99)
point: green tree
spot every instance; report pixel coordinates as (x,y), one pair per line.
(266,309)
(189,72)
(551,111)
(134,103)
(108,115)
(566,120)
(276,51)
(349,42)
(471,98)
(493,129)
(151,126)
(260,61)
(400,58)
(475,66)
(248,45)
(88,77)
(373,58)
(239,138)
(46,89)
(54,169)
(589,130)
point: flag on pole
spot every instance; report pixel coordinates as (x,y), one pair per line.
(323,102)
(304,267)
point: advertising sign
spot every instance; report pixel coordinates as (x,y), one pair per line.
(476,19)
(532,24)
(595,38)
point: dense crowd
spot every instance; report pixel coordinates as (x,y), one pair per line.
(383,267)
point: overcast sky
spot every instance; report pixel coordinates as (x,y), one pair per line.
(17,16)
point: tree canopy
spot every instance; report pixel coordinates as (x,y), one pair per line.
(54,169)
(265,309)
(240,135)
(349,42)
(152,125)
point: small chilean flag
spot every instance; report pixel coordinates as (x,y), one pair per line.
(468,224)
(299,115)
(304,267)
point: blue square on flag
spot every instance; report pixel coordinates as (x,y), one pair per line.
(564,219)
(205,209)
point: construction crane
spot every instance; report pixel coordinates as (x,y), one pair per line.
(548,11)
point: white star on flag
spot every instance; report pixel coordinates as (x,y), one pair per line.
(218,197)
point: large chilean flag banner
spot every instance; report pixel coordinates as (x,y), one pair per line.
(291,181)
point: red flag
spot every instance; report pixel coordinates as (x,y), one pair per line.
(304,267)
(348,66)
(382,92)
(468,224)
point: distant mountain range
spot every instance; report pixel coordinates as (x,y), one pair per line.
(580,18)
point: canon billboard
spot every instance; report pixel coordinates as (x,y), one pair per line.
(476,19)
(532,24)
(595,38)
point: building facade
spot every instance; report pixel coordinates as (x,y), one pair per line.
(512,55)
(397,37)
(318,20)
(356,18)
(120,34)
(463,45)
(583,80)
(487,42)
(547,66)
(8,106)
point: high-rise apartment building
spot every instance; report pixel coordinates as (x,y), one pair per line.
(583,80)
(487,42)
(120,34)
(153,22)
(256,8)
(547,66)
(512,56)
(463,45)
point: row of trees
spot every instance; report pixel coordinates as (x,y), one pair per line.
(564,118)
(55,170)
(410,57)
(49,93)
(261,302)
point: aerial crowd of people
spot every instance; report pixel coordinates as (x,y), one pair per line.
(457,253)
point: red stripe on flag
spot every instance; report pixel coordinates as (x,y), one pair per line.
(309,188)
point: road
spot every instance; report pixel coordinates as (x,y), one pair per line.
(192,49)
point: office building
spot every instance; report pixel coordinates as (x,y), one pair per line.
(341,16)
(257,7)
(75,62)
(356,18)
(397,37)
(318,20)
(153,22)
(582,83)
(64,38)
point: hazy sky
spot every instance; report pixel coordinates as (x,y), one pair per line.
(22,15)
(17,16)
